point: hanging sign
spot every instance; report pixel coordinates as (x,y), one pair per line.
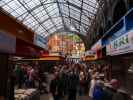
(40,41)
(90,55)
(7,43)
(121,45)
(90,52)
(97,46)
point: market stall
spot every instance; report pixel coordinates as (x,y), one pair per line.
(27,94)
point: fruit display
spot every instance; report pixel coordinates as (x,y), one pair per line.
(25,94)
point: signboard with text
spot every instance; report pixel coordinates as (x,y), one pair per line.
(121,45)
(40,41)
(90,55)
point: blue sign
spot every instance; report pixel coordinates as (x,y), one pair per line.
(39,41)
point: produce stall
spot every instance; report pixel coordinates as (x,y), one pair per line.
(27,94)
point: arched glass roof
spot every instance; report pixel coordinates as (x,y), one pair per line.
(45,17)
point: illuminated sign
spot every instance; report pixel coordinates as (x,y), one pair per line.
(121,45)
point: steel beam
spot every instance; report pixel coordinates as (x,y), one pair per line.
(48,14)
(60,13)
(81,15)
(32,14)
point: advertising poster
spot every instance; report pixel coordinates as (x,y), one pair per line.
(121,45)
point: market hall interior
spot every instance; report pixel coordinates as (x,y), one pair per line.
(66,49)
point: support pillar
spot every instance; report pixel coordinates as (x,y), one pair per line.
(3,76)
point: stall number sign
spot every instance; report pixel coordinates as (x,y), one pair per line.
(123,44)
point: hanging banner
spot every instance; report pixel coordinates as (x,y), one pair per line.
(7,43)
(40,41)
(97,46)
(90,55)
(90,52)
(121,45)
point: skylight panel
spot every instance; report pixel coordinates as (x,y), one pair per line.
(2,3)
(14,4)
(56,20)
(43,18)
(23,16)
(41,15)
(30,4)
(38,10)
(59,27)
(32,24)
(7,8)
(52,7)
(48,1)
(74,9)
(52,30)
(39,29)
(85,21)
(47,23)
(5,1)
(76,2)
(20,11)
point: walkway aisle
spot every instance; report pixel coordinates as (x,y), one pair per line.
(48,97)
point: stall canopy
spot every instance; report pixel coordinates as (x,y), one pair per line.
(45,17)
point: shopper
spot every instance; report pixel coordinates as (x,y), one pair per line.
(98,91)
(108,91)
(82,83)
(118,95)
(92,85)
(54,86)
(32,78)
(19,75)
(72,85)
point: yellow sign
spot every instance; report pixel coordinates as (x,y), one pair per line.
(90,58)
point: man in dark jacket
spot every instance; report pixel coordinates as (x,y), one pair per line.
(56,87)
(108,92)
(72,85)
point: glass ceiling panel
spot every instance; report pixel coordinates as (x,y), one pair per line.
(39,9)
(52,30)
(7,8)
(23,16)
(29,5)
(87,13)
(57,20)
(47,1)
(48,23)
(47,16)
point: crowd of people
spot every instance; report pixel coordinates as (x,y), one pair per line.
(25,75)
(72,79)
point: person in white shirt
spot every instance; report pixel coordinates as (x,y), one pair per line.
(92,85)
